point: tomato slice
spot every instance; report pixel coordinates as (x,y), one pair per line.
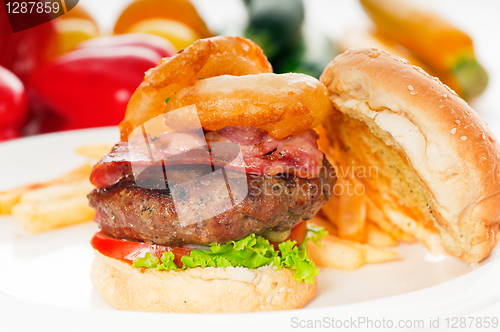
(126,250)
(129,250)
(297,234)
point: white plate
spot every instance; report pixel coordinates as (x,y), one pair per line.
(45,285)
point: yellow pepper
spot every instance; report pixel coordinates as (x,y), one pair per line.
(177,10)
(74,27)
(444,48)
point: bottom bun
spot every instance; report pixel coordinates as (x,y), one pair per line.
(198,290)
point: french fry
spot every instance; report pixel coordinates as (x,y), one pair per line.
(342,254)
(57,192)
(377,255)
(43,216)
(12,197)
(375,236)
(336,253)
(322,222)
(94,151)
(346,210)
(323,142)
(51,204)
(80,173)
(331,209)
(352,214)
(378,218)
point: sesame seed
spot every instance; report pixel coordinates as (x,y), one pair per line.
(259,286)
(410,88)
(297,296)
(413,93)
(453,131)
(445,96)
(452,111)
(483,136)
(282,289)
(457,121)
(262,307)
(463,138)
(268,300)
(289,290)
(229,290)
(277,298)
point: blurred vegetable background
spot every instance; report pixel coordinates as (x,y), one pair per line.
(175,20)
(74,27)
(73,73)
(446,50)
(277,26)
(91,85)
(12,105)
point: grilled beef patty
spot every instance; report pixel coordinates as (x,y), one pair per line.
(129,211)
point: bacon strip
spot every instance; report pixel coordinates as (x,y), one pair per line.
(246,149)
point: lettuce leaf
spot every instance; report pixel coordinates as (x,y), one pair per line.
(148,261)
(315,234)
(167,262)
(252,252)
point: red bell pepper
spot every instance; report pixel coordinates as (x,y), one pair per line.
(91,86)
(159,44)
(12,105)
(24,51)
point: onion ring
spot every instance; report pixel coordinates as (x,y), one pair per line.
(282,105)
(204,58)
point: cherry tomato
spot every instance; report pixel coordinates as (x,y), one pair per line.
(130,250)
(12,105)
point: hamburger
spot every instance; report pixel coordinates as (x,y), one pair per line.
(206,194)
(437,162)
